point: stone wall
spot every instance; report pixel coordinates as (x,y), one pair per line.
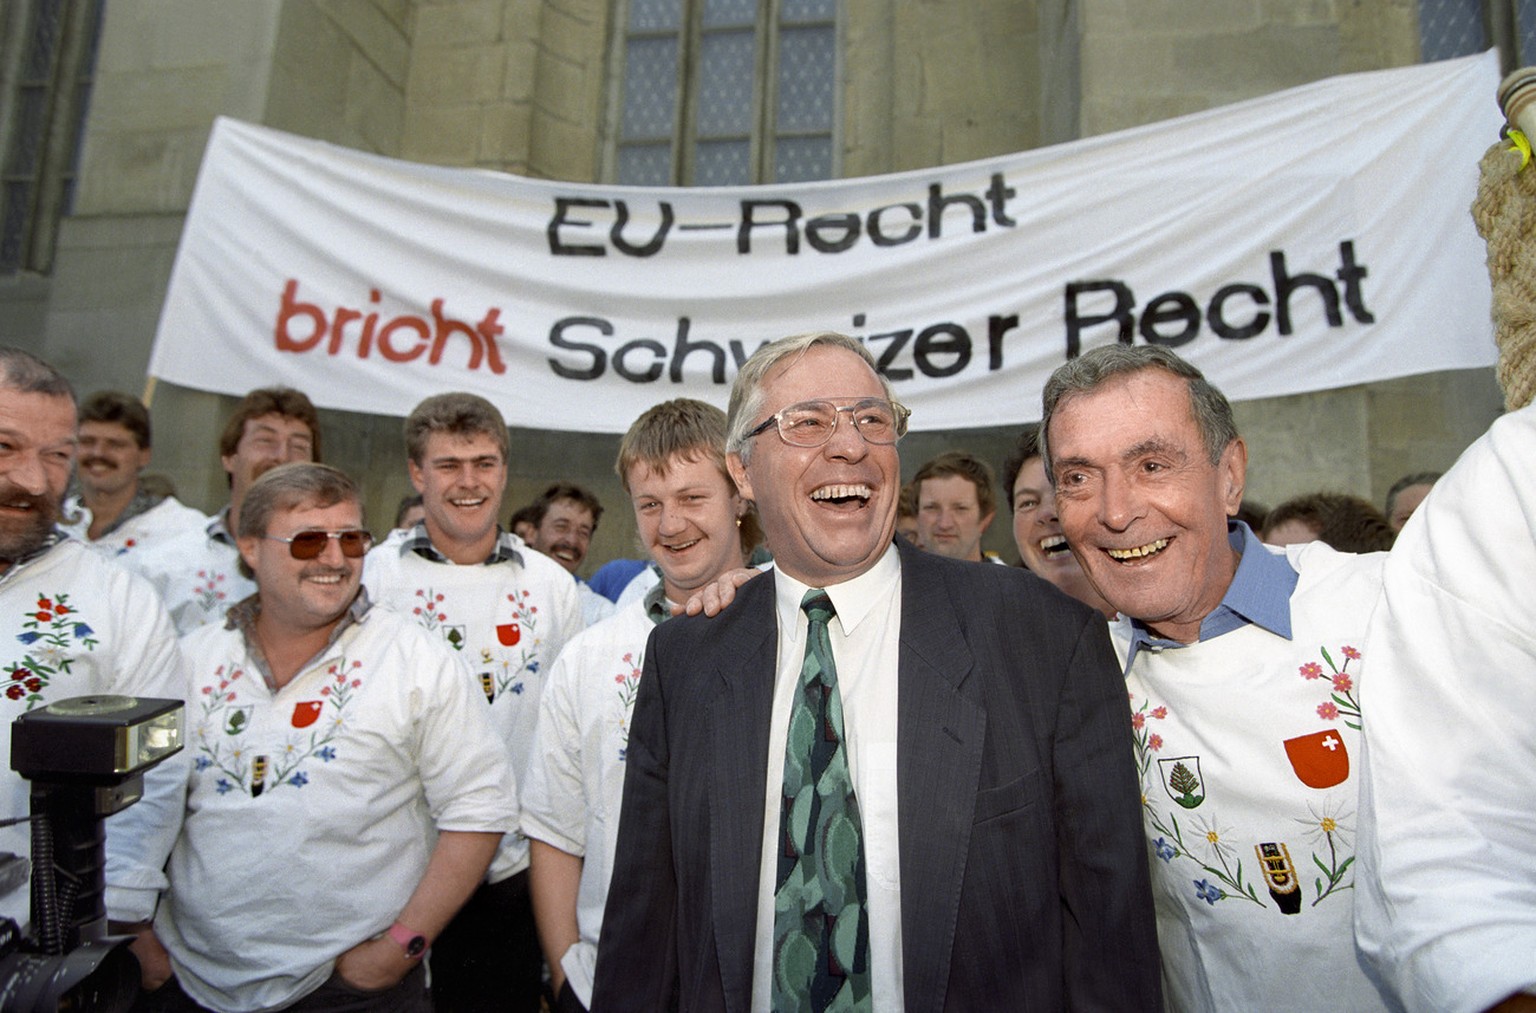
(525,86)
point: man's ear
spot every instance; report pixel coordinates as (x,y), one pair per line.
(738,470)
(986,521)
(247,546)
(413,470)
(1234,474)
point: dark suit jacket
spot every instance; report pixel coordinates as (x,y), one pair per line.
(1024,881)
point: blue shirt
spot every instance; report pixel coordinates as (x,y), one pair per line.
(1260,594)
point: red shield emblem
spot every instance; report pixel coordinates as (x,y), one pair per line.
(509,634)
(1319,759)
(306,713)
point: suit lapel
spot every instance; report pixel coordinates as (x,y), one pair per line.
(940,734)
(739,714)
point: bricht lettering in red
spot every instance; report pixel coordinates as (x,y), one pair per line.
(403,338)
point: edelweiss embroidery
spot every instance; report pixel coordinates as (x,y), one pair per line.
(1182,782)
(518,654)
(49,634)
(316,724)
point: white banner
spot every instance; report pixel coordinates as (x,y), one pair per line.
(1314,238)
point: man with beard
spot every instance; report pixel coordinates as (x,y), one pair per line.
(196,572)
(74,625)
(347,788)
(113,512)
(564,520)
(509,611)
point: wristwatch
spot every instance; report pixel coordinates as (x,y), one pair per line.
(412,942)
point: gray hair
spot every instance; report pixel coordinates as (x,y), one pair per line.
(292,485)
(25,373)
(1417,478)
(747,392)
(1089,371)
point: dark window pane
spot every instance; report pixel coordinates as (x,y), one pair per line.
(807,10)
(725,84)
(645,165)
(650,88)
(798,159)
(1449,28)
(655,15)
(722,163)
(806,72)
(726,13)
(1525,28)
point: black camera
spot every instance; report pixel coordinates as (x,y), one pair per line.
(86,758)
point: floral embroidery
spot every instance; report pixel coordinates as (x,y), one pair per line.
(1329,826)
(519,654)
(49,632)
(430,612)
(221,728)
(629,682)
(1342,685)
(1220,861)
(206,592)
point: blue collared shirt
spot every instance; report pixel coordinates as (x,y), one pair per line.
(1260,594)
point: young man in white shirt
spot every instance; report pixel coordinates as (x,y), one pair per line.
(696,527)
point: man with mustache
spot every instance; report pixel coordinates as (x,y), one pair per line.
(347,789)
(508,611)
(196,572)
(881,778)
(113,512)
(73,624)
(564,520)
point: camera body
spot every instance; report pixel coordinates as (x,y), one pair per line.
(85,758)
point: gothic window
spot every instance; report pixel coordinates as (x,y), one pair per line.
(725,92)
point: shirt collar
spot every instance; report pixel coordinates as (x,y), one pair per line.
(658,607)
(218,528)
(51,539)
(504,551)
(242,616)
(1260,595)
(853,599)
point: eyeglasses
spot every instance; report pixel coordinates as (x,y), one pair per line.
(812,423)
(309,544)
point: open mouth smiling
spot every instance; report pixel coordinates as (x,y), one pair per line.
(1139,552)
(1054,546)
(843,494)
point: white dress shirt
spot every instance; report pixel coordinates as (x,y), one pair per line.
(864,636)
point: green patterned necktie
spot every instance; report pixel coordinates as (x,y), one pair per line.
(820,917)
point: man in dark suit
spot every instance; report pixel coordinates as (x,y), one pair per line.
(956,825)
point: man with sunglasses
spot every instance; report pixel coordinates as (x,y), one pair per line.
(881,778)
(347,789)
